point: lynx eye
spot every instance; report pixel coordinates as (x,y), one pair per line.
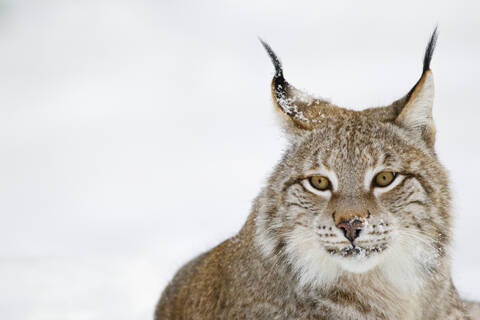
(319,182)
(384,178)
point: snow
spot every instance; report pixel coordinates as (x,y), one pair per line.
(135,134)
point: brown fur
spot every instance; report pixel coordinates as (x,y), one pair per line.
(290,261)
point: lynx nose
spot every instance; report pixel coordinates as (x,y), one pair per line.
(351,221)
(351,229)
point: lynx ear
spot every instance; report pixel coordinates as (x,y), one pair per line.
(416,115)
(414,111)
(298,108)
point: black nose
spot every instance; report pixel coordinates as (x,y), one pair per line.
(351,229)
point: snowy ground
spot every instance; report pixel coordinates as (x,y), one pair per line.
(135,134)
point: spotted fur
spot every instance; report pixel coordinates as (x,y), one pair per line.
(291,261)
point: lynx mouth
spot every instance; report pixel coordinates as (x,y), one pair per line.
(356,251)
(358,259)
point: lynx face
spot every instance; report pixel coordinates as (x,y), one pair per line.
(357,191)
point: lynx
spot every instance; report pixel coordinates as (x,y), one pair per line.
(354,223)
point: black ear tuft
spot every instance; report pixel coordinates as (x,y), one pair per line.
(430,49)
(276,63)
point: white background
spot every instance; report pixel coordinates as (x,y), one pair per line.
(134,135)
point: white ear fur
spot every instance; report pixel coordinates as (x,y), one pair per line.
(292,103)
(416,115)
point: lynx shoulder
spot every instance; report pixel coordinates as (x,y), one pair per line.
(354,222)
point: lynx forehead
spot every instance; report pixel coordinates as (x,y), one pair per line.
(353,223)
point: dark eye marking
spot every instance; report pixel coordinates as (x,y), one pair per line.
(407,178)
(292,182)
(417,202)
(299,205)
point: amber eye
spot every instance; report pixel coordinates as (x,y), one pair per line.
(319,182)
(384,178)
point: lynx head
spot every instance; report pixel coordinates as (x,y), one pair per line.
(356,192)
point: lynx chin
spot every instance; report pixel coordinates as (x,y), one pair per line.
(354,222)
